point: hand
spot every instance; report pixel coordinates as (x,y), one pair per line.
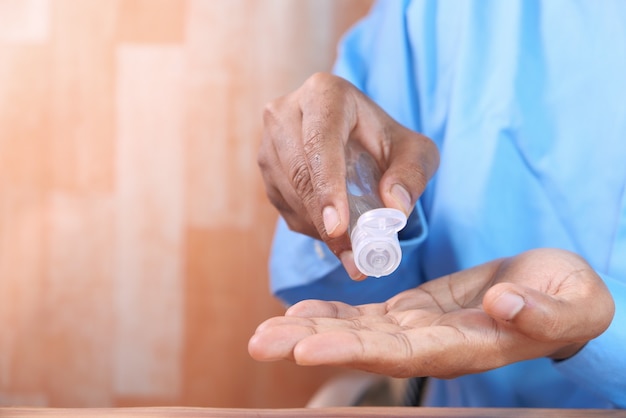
(540,303)
(302,158)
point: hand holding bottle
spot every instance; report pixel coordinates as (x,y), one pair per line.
(303,161)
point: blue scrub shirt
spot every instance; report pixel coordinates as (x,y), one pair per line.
(526,101)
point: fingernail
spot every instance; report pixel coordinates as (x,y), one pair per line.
(402,196)
(331,219)
(508,305)
(347,259)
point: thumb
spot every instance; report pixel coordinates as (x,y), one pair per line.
(412,161)
(535,314)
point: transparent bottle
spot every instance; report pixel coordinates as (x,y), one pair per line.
(373,228)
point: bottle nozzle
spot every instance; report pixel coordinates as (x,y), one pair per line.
(375,241)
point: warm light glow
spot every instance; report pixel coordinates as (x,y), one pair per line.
(129,192)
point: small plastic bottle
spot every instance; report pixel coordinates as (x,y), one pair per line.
(373,228)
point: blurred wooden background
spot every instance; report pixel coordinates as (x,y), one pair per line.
(134,228)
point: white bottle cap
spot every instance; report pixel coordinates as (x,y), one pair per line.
(375,241)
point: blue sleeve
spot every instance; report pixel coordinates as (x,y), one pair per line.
(601,365)
(304,268)
(364,56)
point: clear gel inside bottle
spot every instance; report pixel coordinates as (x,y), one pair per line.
(373,228)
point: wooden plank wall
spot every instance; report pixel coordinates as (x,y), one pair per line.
(134,228)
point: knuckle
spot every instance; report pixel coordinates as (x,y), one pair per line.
(420,177)
(277,200)
(294,218)
(263,158)
(415,173)
(300,178)
(419,163)
(322,81)
(318,176)
(276,110)
(318,80)
(313,135)
(271,112)
(428,153)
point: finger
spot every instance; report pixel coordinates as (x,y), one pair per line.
(276,337)
(272,342)
(322,309)
(548,318)
(347,259)
(291,211)
(400,354)
(282,121)
(327,119)
(413,159)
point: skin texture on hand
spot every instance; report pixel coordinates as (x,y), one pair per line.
(302,158)
(541,303)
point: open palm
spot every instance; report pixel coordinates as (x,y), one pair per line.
(540,303)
